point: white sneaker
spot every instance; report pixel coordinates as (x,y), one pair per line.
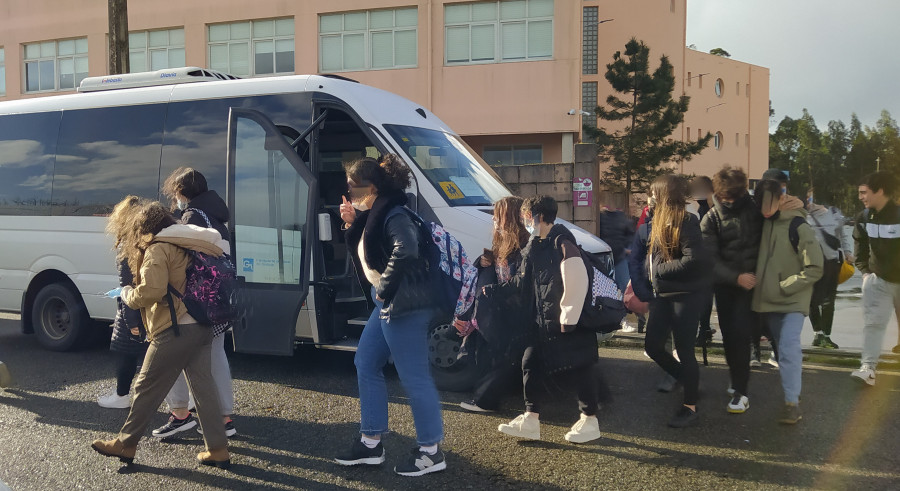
(865,374)
(738,404)
(628,329)
(772,361)
(114,401)
(526,426)
(586,429)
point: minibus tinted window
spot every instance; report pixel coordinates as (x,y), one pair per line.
(459,175)
(27,152)
(106,154)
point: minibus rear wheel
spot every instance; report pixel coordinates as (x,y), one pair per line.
(450,372)
(59,317)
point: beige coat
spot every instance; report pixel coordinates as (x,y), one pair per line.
(165,263)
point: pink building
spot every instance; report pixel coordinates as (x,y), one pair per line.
(504,74)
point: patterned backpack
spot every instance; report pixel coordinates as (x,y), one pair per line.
(604,305)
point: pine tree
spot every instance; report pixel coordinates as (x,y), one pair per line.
(650,114)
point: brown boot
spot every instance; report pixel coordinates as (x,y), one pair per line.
(115,448)
(218,458)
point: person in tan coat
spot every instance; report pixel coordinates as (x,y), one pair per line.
(155,247)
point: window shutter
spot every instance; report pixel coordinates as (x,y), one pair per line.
(483,42)
(457,44)
(512,40)
(239,59)
(540,39)
(218,57)
(405,48)
(330,58)
(354,52)
(382,49)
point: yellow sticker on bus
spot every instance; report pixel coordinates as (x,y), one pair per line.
(451,190)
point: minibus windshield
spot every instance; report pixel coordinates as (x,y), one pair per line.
(457,172)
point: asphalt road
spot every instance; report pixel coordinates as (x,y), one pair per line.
(294,414)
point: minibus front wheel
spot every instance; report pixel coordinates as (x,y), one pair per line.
(59,317)
(450,371)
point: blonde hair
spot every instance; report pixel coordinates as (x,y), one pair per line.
(671,192)
(134,223)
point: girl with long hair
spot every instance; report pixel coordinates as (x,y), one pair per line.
(154,246)
(679,274)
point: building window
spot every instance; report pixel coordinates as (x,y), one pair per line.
(369,40)
(737,88)
(589,41)
(737,139)
(55,65)
(700,80)
(155,50)
(746,139)
(2,72)
(747,90)
(699,133)
(671,5)
(720,87)
(589,103)
(717,140)
(513,154)
(271,43)
(494,32)
(688,132)
(689,79)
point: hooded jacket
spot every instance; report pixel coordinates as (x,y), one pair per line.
(165,263)
(731,237)
(214,207)
(785,278)
(823,221)
(877,237)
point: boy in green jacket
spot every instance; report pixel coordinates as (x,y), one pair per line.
(789,263)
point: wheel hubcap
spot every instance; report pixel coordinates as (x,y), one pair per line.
(443,346)
(56,319)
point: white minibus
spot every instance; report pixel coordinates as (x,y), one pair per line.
(274,147)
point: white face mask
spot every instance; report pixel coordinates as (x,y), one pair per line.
(532,227)
(361,205)
(182,205)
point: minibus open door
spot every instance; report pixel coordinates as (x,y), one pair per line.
(271,194)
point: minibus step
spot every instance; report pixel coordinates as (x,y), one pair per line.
(343,345)
(350,299)
(359,321)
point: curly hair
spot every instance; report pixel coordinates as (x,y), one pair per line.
(510,235)
(134,224)
(389,175)
(729,183)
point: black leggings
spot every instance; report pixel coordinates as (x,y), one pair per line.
(126,368)
(679,315)
(821,309)
(533,374)
(736,322)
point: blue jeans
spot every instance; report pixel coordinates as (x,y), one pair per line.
(622,274)
(786,328)
(406,339)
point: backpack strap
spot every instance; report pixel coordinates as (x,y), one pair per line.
(793,234)
(168,297)
(201,213)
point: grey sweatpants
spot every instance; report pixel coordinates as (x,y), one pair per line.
(179,396)
(880,299)
(167,356)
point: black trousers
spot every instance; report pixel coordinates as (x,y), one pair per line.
(500,374)
(533,375)
(680,316)
(736,321)
(127,365)
(821,309)
(706,313)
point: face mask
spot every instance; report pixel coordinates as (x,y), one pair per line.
(532,227)
(361,205)
(182,205)
(652,202)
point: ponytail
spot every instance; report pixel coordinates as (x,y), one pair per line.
(390,175)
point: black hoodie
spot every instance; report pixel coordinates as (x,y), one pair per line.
(213,207)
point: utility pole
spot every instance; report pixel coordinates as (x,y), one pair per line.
(118,37)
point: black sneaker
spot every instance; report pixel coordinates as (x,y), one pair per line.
(790,415)
(229,429)
(421,463)
(359,453)
(174,426)
(684,417)
(827,343)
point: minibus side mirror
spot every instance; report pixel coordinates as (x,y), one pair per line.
(325,234)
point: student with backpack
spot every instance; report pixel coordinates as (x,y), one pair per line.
(731,233)
(553,280)
(198,205)
(877,237)
(679,271)
(789,263)
(836,246)
(388,251)
(158,250)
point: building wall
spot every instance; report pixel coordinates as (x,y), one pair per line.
(489,104)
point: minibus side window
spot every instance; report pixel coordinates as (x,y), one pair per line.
(105,154)
(27,153)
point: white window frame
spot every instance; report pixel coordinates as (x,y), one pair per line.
(250,43)
(367,34)
(148,50)
(56,58)
(2,71)
(498,24)
(512,151)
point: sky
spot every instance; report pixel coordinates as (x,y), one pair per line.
(832,57)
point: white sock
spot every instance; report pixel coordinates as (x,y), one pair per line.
(430,449)
(369,442)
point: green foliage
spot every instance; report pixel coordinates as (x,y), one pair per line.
(831,163)
(720,52)
(645,104)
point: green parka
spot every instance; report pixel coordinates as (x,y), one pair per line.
(784,277)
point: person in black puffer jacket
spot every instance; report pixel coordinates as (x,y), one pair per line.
(388,248)
(731,236)
(554,277)
(128,336)
(193,203)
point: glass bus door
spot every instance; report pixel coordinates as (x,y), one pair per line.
(271,193)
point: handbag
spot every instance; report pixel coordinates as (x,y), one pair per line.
(847,271)
(633,303)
